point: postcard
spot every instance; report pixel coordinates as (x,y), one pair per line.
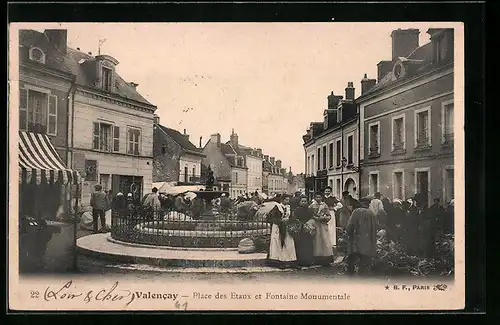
(236,166)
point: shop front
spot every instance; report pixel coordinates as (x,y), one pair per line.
(42,177)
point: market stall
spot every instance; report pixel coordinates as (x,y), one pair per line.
(42,174)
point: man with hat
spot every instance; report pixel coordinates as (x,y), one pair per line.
(99,203)
(362,238)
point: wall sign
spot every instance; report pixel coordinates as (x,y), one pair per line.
(91,170)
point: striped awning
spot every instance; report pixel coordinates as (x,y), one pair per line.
(40,163)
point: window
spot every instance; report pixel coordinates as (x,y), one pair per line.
(319,159)
(422,127)
(449,184)
(186,176)
(338,145)
(422,182)
(398,132)
(116,138)
(339,190)
(36,54)
(312,165)
(102,136)
(236,178)
(194,171)
(134,137)
(330,183)
(330,156)
(398,184)
(373,183)
(308,167)
(107,75)
(324,157)
(374,138)
(37,111)
(104,181)
(447,125)
(163,149)
(350,149)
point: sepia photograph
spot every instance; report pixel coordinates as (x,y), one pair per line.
(236,166)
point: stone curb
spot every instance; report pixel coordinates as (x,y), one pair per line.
(169,262)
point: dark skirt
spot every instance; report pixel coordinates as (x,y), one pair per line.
(304,249)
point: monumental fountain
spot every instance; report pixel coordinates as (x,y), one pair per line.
(212,230)
(179,241)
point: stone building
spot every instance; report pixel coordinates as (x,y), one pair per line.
(45,98)
(252,159)
(175,158)
(274,176)
(407,119)
(331,147)
(228,167)
(113,127)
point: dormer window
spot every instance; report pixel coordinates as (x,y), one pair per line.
(36,54)
(107,78)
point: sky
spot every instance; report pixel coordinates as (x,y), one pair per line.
(267,81)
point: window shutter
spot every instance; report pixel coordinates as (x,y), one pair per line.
(96,140)
(52,115)
(23,109)
(116,138)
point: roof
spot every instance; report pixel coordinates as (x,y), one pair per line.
(181,140)
(422,53)
(69,63)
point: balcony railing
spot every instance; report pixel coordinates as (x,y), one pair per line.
(423,141)
(374,151)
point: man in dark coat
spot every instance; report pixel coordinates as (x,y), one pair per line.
(362,233)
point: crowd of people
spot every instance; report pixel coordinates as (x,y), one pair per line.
(304,233)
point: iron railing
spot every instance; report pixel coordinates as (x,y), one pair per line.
(223,227)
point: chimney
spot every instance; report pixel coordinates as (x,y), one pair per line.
(272,160)
(156,119)
(259,151)
(367,84)
(266,158)
(185,134)
(234,139)
(333,101)
(90,53)
(200,142)
(58,38)
(78,49)
(383,68)
(278,163)
(404,42)
(133,85)
(349,91)
(215,138)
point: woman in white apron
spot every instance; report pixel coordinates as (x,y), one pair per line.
(332,202)
(282,245)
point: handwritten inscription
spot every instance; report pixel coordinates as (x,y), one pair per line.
(111,294)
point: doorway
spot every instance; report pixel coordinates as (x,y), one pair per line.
(422,184)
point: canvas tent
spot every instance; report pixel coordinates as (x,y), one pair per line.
(171,188)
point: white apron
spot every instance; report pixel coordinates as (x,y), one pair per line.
(332,228)
(276,251)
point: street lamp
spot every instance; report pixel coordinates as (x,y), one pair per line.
(344,163)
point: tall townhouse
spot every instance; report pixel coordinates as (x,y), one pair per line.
(113,127)
(331,147)
(407,119)
(45,97)
(252,160)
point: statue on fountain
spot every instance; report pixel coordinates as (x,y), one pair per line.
(209,184)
